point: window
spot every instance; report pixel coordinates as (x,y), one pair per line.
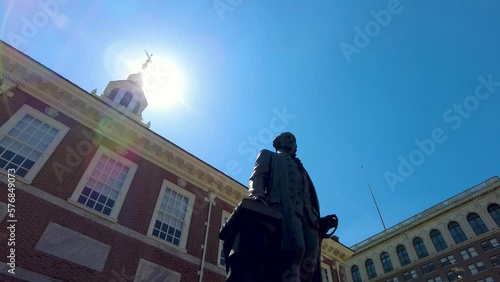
(136,107)
(490,244)
(494,211)
(420,248)
(370,269)
(172,214)
(435,279)
(404,259)
(410,275)
(486,279)
(222,259)
(445,261)
(325,273)
(452,276)
(386,262)
(456,232)
(393,279)
(468,253)
(105,183)
(27,140)
(477,267)
(356,276)
(495,260)
(438,240)
(127,97)
(430,267)
(112,94)
(477,224)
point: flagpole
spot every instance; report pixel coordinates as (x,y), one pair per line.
(373,196)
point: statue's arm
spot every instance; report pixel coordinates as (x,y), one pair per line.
(260,175)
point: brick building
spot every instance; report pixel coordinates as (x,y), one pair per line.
(99,196)
(456,240)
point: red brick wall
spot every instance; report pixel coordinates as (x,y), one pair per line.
(73,155)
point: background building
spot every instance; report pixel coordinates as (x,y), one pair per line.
(456,240)
(99,196)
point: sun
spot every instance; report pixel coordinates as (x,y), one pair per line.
(163,81)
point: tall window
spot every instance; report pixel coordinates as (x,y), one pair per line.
(127,97)
(136,107)
(356,276)
(420,248)
(404,259)
(494,211)
(105,183)
(326,273)
(172,214)
(222,259)
(370,269)
(438,240)
(386,262)
(26,141)
(456,232)
(112,94)
(477,224)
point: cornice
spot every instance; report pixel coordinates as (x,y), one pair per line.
(438,213)
(90,111)
(334,250)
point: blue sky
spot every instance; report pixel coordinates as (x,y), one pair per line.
(242,71)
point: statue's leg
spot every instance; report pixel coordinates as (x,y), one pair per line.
(310,261)
(291,259)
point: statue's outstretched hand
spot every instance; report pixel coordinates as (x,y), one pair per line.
(326,223)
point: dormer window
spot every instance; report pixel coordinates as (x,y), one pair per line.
(127,97)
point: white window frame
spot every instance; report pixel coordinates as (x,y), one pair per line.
(187,222)
(123,191)
(326,267)
(225,216)
(14,119)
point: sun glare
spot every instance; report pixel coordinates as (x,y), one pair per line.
(163,82)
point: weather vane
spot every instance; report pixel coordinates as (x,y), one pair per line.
(148,61)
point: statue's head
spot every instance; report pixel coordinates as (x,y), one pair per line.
(286,143)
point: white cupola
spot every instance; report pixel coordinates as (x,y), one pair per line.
(126,96)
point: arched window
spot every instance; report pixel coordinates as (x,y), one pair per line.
(356,276)
(127,97)
(494,211)
(456,232)
(438,240)
(370,269)
(136,107)
(112,94)
(477,224)
(420,248)
(386,262)
(404,259)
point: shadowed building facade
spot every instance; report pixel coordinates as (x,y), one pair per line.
(101,197)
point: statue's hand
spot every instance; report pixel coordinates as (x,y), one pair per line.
(258,198)
(326,223)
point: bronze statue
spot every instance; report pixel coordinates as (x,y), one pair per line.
(275,234)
